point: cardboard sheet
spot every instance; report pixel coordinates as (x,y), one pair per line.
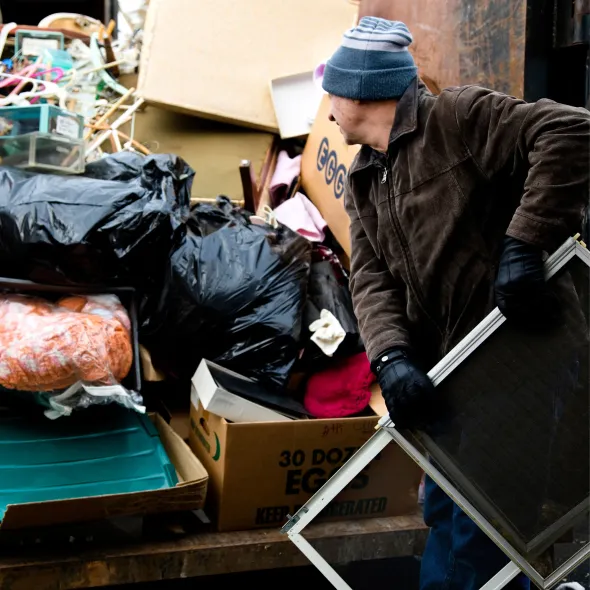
(216,58)
(213,150)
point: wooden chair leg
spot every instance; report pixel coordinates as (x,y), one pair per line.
(251,196)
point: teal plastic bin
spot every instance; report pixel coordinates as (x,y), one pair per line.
(99,452)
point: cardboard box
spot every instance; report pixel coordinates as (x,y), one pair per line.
(188,494)
(324,166)
(216,58)
(260,472)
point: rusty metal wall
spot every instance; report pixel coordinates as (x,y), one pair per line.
(459,42)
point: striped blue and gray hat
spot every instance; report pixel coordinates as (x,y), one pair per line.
(373,62)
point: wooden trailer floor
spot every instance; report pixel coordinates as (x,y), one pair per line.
(204,554)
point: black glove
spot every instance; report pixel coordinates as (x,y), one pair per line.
(522,294)
(407,390)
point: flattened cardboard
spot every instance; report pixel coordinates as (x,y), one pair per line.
(216,58)
(188,494)
(324,166)
(214,150)
(260,472)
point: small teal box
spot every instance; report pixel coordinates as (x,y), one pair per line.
(42,137)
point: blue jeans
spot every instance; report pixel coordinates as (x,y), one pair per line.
(458,555)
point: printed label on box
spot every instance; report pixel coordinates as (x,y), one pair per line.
(214,451)
(67,126)
(324,169)
(306,472)
(335,173)
(32,46)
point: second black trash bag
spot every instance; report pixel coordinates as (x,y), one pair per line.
(116,224)
(234,295)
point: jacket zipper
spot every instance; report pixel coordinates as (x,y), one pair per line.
(405,250)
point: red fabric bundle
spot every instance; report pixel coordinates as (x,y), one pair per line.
(341,390)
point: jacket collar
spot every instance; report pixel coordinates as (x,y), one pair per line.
(405,121)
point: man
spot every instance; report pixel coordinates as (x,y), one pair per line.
(454,201)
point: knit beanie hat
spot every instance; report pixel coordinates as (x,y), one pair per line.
(373,62)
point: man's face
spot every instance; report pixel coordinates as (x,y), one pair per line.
(347,114)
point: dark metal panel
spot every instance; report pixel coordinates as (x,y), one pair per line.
(572,22)
(493,44)
(556,65)
(459,42)
(434,25)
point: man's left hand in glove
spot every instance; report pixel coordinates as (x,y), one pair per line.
(522,294)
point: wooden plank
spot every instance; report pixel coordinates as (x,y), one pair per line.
(211,554)
(251,196)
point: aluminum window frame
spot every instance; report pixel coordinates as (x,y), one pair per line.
(386,433)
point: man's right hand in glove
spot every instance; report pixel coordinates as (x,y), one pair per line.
(408,392)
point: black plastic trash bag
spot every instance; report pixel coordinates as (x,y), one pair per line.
(116,224)
(234,295)
(207,219)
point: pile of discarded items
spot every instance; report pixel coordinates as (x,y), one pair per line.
(174,254)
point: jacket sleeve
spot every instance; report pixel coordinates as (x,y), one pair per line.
(378,298)
(550,141)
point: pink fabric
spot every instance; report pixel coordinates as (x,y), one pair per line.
(287,170)
(303,217)
(341,390)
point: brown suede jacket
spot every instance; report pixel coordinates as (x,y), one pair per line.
(428,218)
